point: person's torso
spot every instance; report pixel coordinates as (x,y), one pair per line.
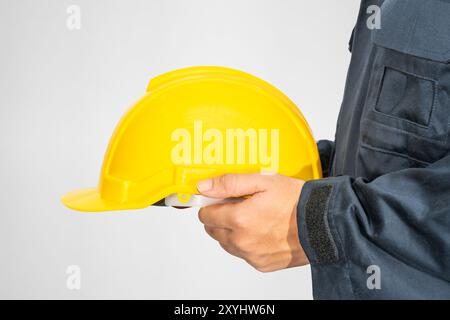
(396,108)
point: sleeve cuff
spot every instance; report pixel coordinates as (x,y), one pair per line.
(320,239)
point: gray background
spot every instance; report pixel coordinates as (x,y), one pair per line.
(62,92)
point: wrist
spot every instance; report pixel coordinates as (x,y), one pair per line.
(299,257)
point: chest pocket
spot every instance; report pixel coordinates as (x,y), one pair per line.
(406,116)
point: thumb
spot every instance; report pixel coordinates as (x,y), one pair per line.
(234,185)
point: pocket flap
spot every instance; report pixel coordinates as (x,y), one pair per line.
(416,27)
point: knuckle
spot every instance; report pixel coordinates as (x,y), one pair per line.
(227,248)
(224,246)
(201,215)
(259,264)
(243,244)
(239,219)
(255,263)
(209,230)
(236,240)
(205,215)
(263,269)
(228,182)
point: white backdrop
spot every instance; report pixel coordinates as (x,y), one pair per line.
(62,93)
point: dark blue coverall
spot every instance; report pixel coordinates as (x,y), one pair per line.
(385,201)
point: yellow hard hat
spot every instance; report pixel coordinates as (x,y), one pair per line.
(194,124)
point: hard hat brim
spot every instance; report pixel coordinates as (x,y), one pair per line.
(90,200)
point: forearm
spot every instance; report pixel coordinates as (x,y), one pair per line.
(399,222)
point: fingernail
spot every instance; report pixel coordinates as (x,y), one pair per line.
(204,185)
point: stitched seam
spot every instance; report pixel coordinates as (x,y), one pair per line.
(433,105)
(415,53)
(441,53)
(368,146)
(344,254)
(407,132)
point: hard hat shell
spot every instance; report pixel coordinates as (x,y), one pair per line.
(139,168)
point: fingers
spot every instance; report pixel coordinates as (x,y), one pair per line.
(230,249)
(230,216)
(220,215)
(223,236)
(219,234)
(234,185)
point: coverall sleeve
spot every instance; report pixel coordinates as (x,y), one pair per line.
(384,239)
(326,151)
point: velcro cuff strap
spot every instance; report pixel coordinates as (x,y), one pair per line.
(317,227)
